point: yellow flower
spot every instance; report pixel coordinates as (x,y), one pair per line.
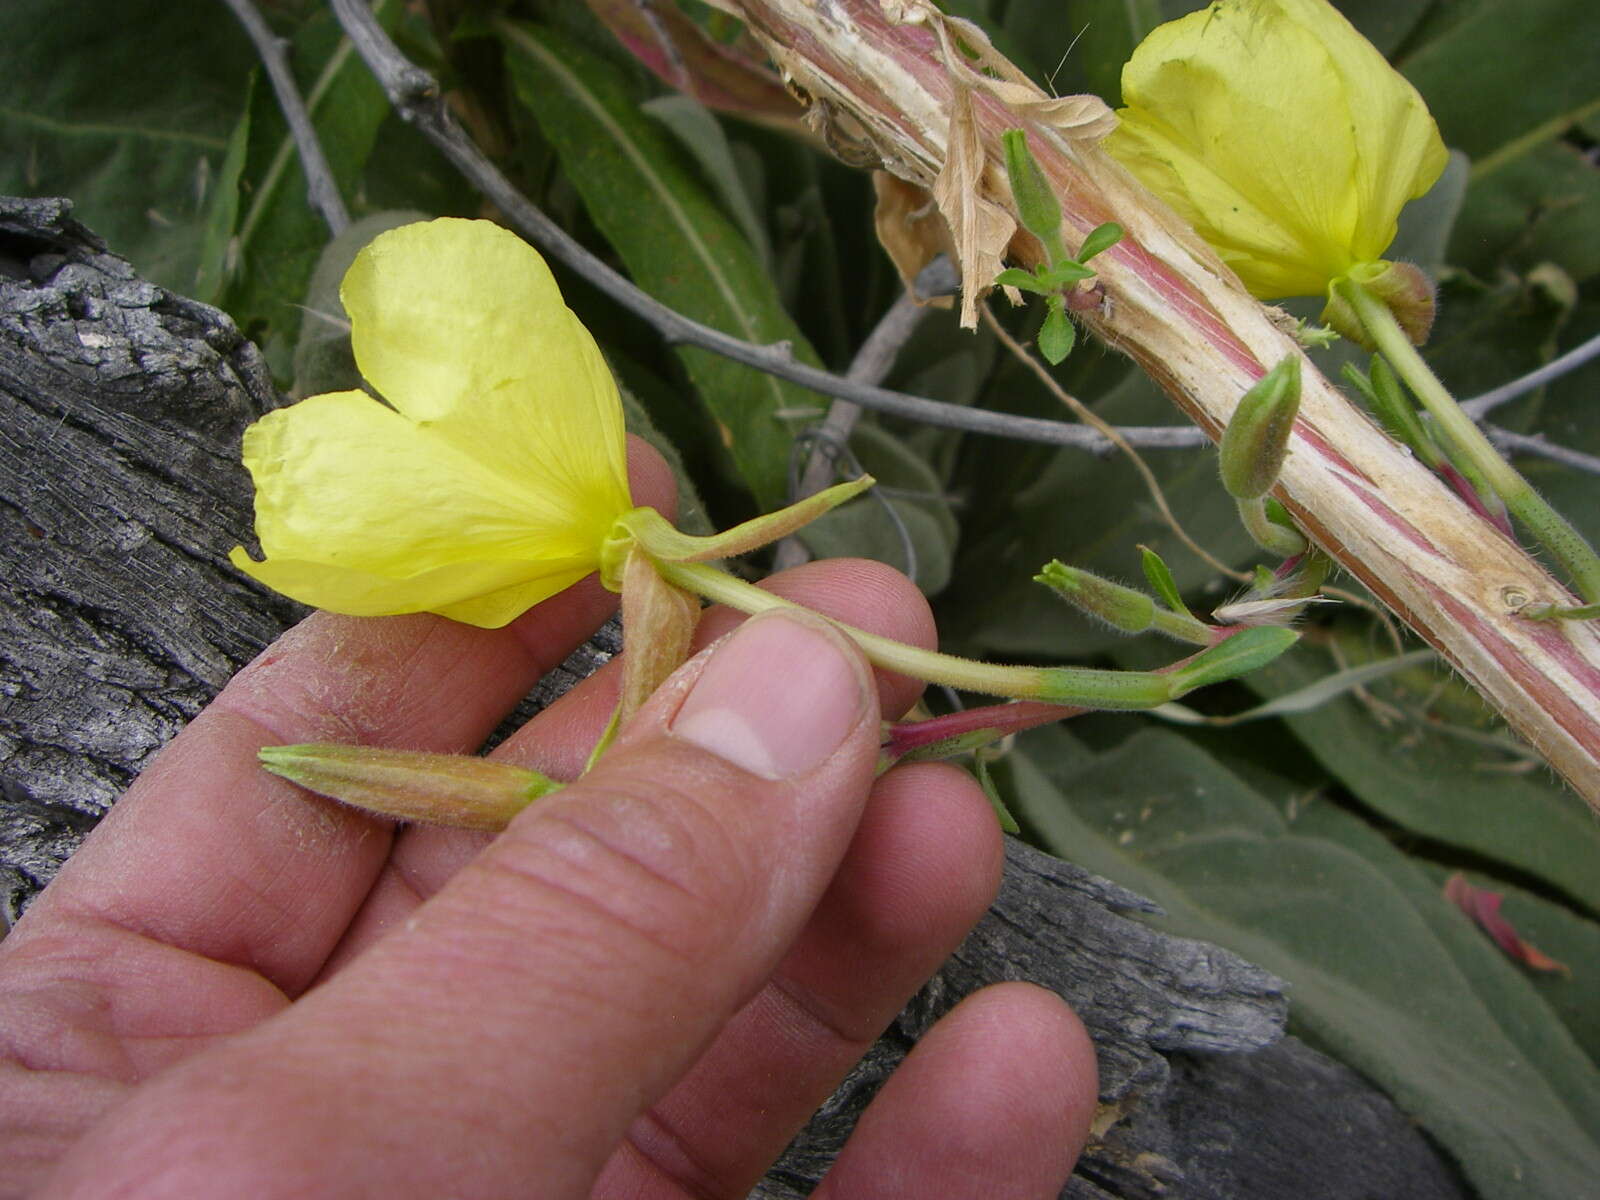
(1281,134)
(493,474)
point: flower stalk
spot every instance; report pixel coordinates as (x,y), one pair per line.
(1088,687)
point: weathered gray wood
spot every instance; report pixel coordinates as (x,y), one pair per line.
(121,407)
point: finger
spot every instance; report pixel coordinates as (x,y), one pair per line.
(994,1103)
(566,977)
(861,592)
(209,855)
(923,867)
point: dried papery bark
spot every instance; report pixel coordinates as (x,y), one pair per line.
(1184,317)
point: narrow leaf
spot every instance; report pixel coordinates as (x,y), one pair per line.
(1102,237)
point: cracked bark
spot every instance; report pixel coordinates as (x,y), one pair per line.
(121,407)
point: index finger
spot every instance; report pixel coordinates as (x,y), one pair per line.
(208,853)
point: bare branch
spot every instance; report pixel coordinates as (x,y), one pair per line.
(871,363)
(1521,443)
(415,96)
(1554,369)
(321,190)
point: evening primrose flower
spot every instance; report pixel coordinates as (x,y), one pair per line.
(496,469)
(1282,136)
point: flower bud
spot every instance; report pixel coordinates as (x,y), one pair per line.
(1120,607)
(1256,440)
(1036,201)
(410,785)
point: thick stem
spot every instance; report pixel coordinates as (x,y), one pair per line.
(1554,532)
(1178,311)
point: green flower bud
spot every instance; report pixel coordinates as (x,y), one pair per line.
(1037,206)
(1256,440)
(1120,607)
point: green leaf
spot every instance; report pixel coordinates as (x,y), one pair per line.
(1056,335)
(1246,651)
(102,106)
(1026,280)
(1566,937)
(678,246)
(1543,206)
(1547,47)
(1371,980)
(701,135)
(1303,700)
(217,247)
(1509,992)
(985,778)
(1102,237)
(1441,779)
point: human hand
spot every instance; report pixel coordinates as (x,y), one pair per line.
(642,988)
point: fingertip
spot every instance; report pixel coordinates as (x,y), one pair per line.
(994,1102)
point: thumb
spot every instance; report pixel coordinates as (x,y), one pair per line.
(569,975)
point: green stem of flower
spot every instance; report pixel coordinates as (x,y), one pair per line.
(1553,531)
(1085,686)
(1267,533)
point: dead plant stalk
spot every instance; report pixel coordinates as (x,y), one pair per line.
(1176,310)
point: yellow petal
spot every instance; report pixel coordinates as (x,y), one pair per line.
(1281,134)
(460,326)
(361,510)
(484,594)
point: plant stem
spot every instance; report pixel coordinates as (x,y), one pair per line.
(1553,531)
(1271,537)
(1086,686)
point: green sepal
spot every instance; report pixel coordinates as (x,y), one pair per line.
(1246,651)
(659,539)
(1382,390)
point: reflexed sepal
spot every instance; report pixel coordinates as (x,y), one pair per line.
(658,623)
(651,531)
(1403,288)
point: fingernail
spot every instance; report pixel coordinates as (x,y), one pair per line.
(777,697)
